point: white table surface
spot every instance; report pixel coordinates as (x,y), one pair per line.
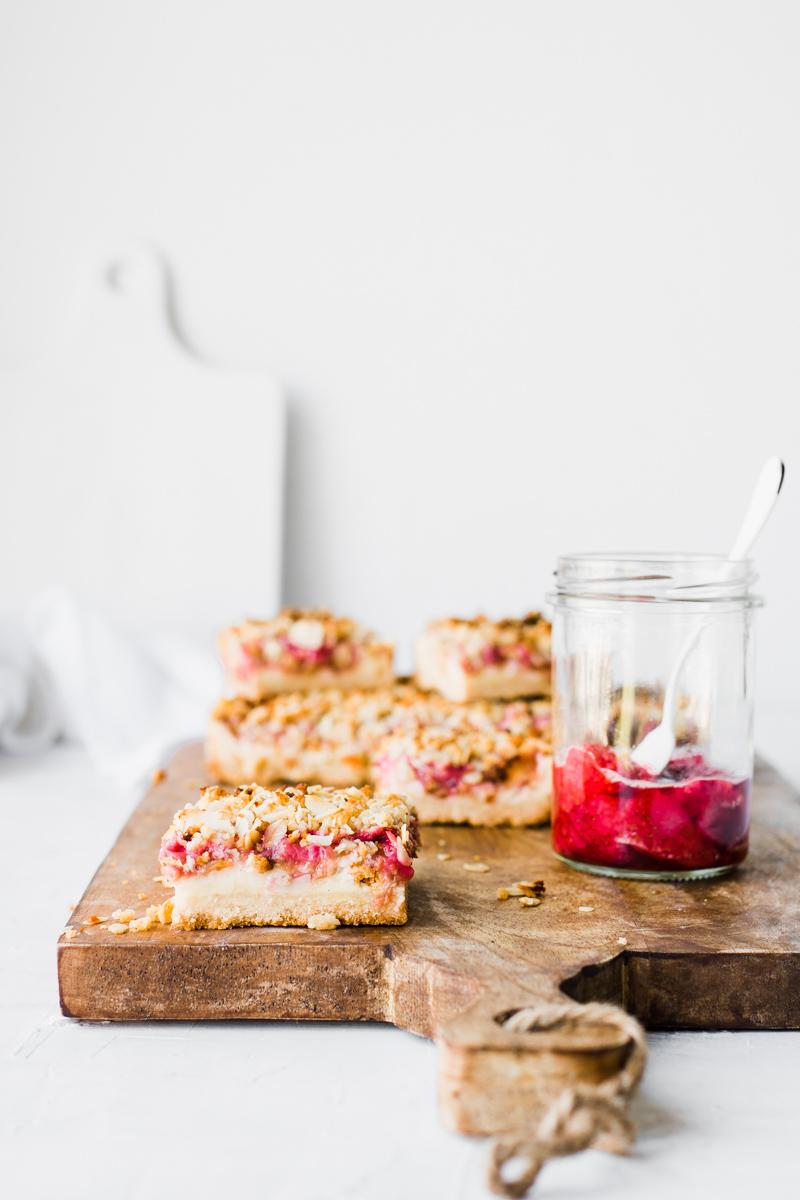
(304,1111)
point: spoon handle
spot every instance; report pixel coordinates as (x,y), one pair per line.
(765,493)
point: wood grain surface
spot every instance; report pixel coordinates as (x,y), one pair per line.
(722,954)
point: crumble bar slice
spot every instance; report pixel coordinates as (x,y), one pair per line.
(480,659)
(302,650)
(483,764)
(310,737)
(251,856)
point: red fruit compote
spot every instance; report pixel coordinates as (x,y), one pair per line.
(612,816)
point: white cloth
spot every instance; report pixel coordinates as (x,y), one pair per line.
(66,670)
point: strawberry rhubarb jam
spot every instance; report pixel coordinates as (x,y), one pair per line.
(611,814)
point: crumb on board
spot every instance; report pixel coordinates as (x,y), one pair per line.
(476,866)
(117,927)
(92,919)
(530,887)
(155,916)
(523,889)
(323,921)
(529,901)
(123,914)
(622,941)
(585,908)
(141,895)
(442,857)
(70,932)
(159,776)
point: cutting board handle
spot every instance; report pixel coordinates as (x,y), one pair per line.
(545,1075)
(123,304)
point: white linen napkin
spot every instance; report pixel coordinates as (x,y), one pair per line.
(66,670)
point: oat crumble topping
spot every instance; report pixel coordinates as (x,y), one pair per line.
(299,640)
(480,642)
(308,815)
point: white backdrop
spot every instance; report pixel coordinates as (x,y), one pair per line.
(530,272)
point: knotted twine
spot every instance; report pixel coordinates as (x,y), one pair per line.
(582,1116)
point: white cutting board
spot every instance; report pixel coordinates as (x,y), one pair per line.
(144,481)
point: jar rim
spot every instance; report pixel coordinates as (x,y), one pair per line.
(656,576)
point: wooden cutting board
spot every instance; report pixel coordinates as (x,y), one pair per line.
(721,955)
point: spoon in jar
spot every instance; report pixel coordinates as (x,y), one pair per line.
(657,747)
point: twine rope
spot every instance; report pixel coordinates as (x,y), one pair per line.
(582,1116)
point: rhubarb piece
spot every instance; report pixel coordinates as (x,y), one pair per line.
(485,660)
(480,764)
(609,812)
(311,737)
(251,856)
(302,650)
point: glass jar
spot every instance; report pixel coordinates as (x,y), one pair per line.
(621,622)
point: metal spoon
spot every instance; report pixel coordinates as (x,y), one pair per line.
(657,747)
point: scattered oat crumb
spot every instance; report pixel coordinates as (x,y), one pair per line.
(441,842)
(585,908)
(623,941)
(476,866)
(92,919)
(155,915)
(530,887)
(444,857)
(323,921)
(529,901)
(123,914)
(117,927)
(70,932)
(157,879)
(159,776)
(161,913)
(70,908)
(503,893)
(141,896)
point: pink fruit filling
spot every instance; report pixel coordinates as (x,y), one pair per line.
(291,657)
(497,656)
(609,812)
(390,855)
(319,657)
(436,777)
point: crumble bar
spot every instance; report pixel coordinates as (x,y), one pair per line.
(482,764)
(481,659)
(252,856)
(311,737)
(302,650)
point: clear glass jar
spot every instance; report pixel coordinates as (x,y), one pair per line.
(620,624)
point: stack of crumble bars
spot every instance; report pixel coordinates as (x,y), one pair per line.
(327,761)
